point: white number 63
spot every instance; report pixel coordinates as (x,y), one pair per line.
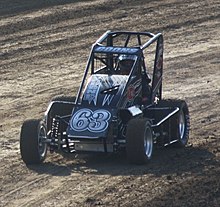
(94,121)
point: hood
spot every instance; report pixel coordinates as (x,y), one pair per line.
(104,90)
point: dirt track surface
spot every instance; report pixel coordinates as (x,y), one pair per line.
(44,46)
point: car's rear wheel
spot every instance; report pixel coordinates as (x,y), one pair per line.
(139,141)
(180,122)
(33,145)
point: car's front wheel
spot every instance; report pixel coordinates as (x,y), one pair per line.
(33,145)
(139,141)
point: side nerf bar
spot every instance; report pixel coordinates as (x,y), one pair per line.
(171,112)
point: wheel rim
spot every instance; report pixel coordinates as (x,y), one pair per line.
(42,146)
(181,125)
(148,143)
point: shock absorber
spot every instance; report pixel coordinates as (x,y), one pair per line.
(54,134)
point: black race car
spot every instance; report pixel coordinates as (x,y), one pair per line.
(119,105)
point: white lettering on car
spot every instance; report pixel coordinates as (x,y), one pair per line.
(94,121)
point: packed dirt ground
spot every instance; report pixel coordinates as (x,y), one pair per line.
(44,46)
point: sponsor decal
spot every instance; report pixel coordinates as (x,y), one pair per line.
(116,49)
(92,91)
(107,99)
(130,93)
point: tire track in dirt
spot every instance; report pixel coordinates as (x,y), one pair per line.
(30,181)
(53,187)
(61,40)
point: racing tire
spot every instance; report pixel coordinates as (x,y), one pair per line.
(180,122)
(33,149)
(139,141)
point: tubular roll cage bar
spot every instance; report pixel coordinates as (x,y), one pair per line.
(108,34)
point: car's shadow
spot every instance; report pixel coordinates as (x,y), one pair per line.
(164,162)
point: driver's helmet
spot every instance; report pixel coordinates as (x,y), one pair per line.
(125,63)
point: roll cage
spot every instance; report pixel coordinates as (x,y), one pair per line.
(112,44)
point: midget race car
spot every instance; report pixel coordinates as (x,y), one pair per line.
(119,105)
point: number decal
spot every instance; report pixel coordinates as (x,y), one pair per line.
(94,121)
(80,120)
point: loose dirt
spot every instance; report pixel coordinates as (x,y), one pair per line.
(44,46)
